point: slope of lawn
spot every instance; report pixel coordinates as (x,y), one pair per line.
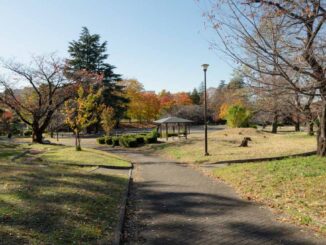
(296,187)
(57,205)
(68,155)
(224,145)
(7,150)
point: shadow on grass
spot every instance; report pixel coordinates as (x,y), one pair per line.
(51,205)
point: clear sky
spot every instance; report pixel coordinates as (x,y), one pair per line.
(162,43)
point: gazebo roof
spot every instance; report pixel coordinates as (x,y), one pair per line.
(172,120)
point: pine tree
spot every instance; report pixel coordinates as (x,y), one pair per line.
(237,80)
(88,53)
(195,97)
(222,84)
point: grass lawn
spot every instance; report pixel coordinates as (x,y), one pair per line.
(59,154)
(295,186)
(224,145)
(7,150)
(57,203)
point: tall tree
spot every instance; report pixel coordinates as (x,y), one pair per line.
(46,91)
(280,38)
(195,97)
(89,53)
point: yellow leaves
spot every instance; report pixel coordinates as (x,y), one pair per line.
(81,111)
(107,119)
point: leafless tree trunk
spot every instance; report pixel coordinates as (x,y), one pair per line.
(279,38)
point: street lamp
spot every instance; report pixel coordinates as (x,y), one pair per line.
(205,66)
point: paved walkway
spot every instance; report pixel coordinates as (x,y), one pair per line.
(175,204)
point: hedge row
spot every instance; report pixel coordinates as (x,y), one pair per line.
(129,140)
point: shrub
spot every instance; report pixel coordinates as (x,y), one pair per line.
(132,142)
(115,141)
(238,116)
(28,133)
(123,141)
(154,133)
(128,141)
(150,139)
(140,139)
(108,140)
(101,140)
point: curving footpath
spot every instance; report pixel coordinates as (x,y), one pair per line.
(176,204)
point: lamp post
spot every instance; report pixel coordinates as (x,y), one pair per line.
(205,66)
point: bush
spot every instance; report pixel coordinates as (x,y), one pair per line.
(151,137)
(101,140)
(128,141)
(115,141)
(108,140)
(140,139)
(238,116)
(28,133)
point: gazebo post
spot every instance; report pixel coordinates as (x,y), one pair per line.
(178,130)
(166,132)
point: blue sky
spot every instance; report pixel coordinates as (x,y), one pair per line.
(162,43)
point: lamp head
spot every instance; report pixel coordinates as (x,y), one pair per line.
(205,66)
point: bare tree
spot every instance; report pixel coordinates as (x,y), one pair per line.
(270,100)
(302,104)
(281,38)
(56,123)
(42,89)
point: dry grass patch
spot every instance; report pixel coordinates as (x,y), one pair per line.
(224,145)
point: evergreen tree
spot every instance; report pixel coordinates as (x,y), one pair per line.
(237,80)
(195,97)
(89,54)
(222,84)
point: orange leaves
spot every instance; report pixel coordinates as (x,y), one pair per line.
(182,98)
(223,111)
(169,100)
(151,106)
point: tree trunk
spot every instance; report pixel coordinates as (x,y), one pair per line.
(311,128)
(275,124)
(37,136)
(297,126)
(321,135)
(52,134)
(77,143)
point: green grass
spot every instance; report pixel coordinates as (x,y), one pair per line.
(68,155)
(7,150)
(296,187)
(57,205)
(224,145)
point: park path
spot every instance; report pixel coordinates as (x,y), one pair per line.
(171,203)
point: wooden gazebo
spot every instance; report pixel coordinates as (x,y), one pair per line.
(173,126)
